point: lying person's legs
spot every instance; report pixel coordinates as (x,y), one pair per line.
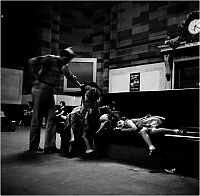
(155,130)
(146,138)
(165,130)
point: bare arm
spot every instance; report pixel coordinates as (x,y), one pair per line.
(36,60)
(69,75)
(135,119)
(60,114)
(131,124)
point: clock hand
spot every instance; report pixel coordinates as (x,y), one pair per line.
(196,28)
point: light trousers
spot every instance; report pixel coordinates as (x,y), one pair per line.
(43,106)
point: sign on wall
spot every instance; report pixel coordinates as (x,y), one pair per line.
(134,82)
(11,86)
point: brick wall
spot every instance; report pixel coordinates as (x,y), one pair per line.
(119,34)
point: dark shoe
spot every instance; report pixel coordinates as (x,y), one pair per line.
(51,150)
(35,149)
(70,155)
(91,155)
(152,153)
(64,151)
(55,150)
(181,131)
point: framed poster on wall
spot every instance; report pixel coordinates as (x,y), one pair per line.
(11,86)
(134,82)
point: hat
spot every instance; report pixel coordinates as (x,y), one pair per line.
(68,52)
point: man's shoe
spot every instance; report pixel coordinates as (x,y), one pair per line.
(55,150)
(35,149)
(70,155)
(181,131)
(51,150)
(90,155)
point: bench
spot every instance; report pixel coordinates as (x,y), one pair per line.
(181,110)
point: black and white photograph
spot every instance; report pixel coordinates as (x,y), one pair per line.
(100,97)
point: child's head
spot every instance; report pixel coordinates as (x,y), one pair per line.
(120,123)
(62,103)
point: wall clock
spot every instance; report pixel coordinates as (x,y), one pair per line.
(190,28)
(194,26)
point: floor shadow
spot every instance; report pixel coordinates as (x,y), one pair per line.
(159,168)
(25,157)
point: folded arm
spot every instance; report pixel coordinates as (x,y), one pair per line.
(34,65)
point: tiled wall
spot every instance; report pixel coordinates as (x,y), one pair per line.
(119,34)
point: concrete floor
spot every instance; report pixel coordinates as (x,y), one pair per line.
(25,173)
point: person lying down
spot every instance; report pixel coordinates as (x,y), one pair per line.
(145,126)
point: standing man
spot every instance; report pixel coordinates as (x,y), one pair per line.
(46,78)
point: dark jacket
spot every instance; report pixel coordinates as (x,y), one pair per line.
(48,69)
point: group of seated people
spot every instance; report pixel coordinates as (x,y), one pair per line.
(27,114)
(89,119)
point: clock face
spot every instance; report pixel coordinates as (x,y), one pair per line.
(194,26)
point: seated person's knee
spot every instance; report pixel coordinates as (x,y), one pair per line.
(103,118)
